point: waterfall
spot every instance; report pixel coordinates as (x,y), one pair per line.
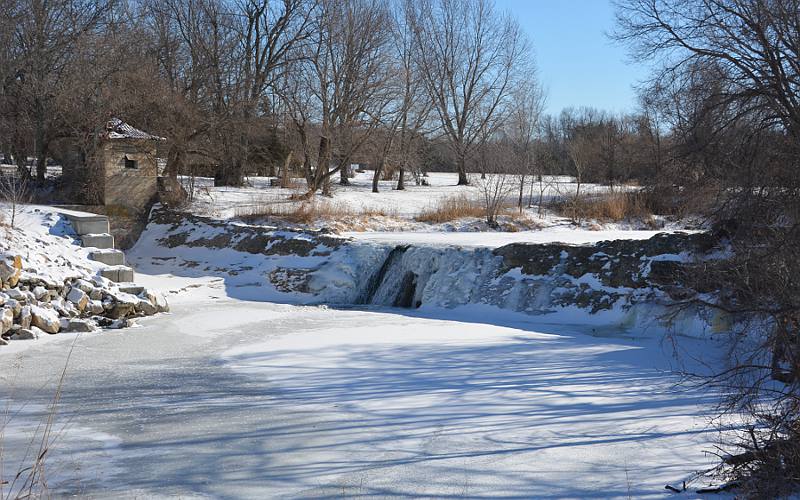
(379,277)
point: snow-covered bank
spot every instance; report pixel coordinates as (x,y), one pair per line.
(622,284)
(49,283)
(559,234)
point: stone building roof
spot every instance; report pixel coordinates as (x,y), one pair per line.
(118,129)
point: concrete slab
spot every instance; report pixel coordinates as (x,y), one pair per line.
(132,289)
(102,240)
(86,223)
(117,274)
(108,256)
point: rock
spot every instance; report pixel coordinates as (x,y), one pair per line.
(10,271)
(157,299)
(83,286)
(3,298)
(78,297)
(46,319)
(26,334)
(145,307)
(25,317)
(6,319)
(121,310)
(14,305)
(95,307)
(16,294)
(78,325)
(3,342)
(96,294)
(41,293)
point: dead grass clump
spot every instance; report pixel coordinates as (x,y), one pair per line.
(307,212)
(610,207)
(450,209)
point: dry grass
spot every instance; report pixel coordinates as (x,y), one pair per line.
(610,207)
(307,212)
(450,209)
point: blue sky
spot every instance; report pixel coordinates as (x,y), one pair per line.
(578,65)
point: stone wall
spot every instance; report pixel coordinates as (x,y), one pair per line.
(131,188)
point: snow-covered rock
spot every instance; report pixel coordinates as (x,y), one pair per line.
(49,283)
(45,319)
(6,320)
(78,297)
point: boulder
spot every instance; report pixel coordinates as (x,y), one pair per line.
(78,325)
(26,334)
(16,294)
(45,319)
(40,293)
(121,310)
(144,306)
(78,297)
(95,307)
(14,305)
(25,317)
(3,342)
(96,294)
(6,320)
(83,286)
(10,272)
(157,299)
(3,298)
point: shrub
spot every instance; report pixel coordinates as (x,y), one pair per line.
(306,212)
(609,207)
(450,209)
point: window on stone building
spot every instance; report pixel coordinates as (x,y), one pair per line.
(130,163)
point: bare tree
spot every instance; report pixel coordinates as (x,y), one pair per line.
(498,185)
(343,75)
(470,58)
(521,127)
(14,191)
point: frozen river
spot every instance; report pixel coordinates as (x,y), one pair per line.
(232,399)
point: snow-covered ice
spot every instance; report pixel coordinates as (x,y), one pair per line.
(237,399)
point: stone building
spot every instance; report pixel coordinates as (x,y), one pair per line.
(122,172)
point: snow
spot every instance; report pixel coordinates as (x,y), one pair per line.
(229,202)
(558,234)
(47,244)
(237,399)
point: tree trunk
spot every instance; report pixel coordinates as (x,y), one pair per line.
(463,180)
(377,175)
(344,175)
(401,182)
(41,157)
(285,177)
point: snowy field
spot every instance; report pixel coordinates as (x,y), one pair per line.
(229,202)
(225,398)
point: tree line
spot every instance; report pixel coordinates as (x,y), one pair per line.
(239,86)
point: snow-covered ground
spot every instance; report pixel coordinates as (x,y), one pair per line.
(226,398)
(387,210)
(555,234)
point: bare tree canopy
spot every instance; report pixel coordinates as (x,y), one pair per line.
(753,44)
(470,59)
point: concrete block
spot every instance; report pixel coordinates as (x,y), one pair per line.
(117,274)
(131,289)
(108,256)
(102,240)
(89,224)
